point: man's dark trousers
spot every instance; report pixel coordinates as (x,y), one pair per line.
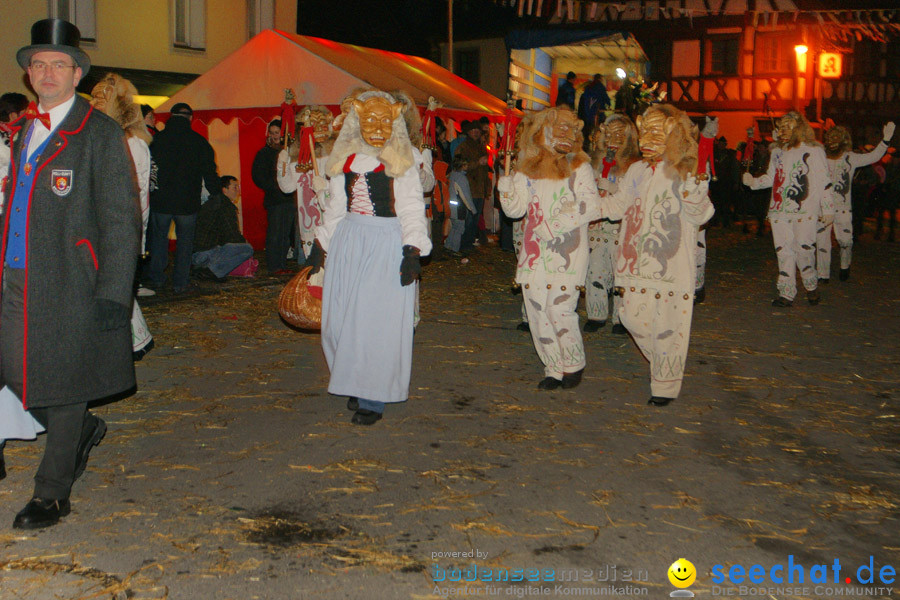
(159,248)
(278,234)
(66,425)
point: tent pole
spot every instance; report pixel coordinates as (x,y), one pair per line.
(450,35)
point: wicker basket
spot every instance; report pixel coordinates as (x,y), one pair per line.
(300,304)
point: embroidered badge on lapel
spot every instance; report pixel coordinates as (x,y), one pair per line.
(61,181)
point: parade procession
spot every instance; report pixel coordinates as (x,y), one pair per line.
(289,311)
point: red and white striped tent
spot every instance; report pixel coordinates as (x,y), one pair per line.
(235,100)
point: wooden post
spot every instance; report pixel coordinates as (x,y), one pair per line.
(450,35)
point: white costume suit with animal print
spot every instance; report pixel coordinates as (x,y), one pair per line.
(553,259)
(798,177)
(603,241)
(840,175)
(656,266)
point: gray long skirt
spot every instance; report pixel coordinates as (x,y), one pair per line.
(367,316)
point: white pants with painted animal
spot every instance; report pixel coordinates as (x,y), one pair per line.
(660,323)
(140,333)
(600,275)
(843,233)
(795,239)
(554,328)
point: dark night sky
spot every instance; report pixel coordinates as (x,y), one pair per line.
(407,26)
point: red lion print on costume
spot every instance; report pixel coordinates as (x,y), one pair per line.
(634,218)
(531,249)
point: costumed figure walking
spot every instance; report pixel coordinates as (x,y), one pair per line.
(842,164)
(114,96)
(300,178)
(614,148)
(662,205)
(373,234)
(798,176)
(554,188)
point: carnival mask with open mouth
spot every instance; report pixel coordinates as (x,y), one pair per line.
(376,119)
(561,135)
(786,126)
(653,127)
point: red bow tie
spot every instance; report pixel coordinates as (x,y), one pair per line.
(32,113)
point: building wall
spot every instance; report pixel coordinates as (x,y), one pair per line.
(136,35)
(493,63)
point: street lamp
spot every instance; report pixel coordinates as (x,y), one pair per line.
(802,52)
(620,73)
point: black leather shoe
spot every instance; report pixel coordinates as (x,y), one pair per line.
(2,465)
(352,403)
(823,281)
(365,417)
(782,302)
(87,443)
(845,274)
(571,380)
(591,326)
(549,383)
(41,512)
(659,401)
(619,329)
(700,295)
(523,326)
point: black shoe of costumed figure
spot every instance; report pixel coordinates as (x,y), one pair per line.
(353,403)
(659,401)
(619,329)
(523,326)
(549,383)
(2,465)
(365,417)
(699,295)
(782,302)
(571,380)
(591,325)
(823,281)
(813,297)
(845,274)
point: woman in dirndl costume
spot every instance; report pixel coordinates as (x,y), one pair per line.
(374,232)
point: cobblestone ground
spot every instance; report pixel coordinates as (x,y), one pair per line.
(232,474)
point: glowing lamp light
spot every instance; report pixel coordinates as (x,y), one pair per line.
(801,50)
(620,73)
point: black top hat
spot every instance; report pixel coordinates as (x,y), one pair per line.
(55,35)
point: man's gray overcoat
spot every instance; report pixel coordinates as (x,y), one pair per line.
(83,237)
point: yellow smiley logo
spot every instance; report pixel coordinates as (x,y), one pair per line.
(682,573)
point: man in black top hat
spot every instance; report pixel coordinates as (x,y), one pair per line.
(71,232)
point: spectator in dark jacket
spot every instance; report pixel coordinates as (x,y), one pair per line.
(594,100)
(280,207)
(183,162)
(219,246)
(566,93)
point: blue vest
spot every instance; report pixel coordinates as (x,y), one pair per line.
(16,248)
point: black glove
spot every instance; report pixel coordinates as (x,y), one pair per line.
(410,268)
(316,258)
(110,315)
